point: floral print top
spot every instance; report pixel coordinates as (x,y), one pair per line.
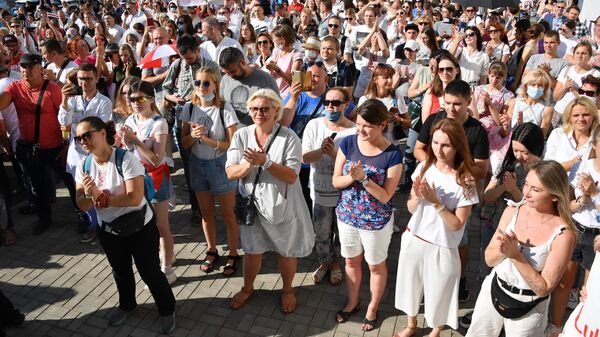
(357,207)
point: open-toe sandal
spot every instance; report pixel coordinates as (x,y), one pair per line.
(231,268)
(343,316)
(411,328)
(240,298)
(369,324)
(336,276)
(206,265)
(319,274)
(288,301)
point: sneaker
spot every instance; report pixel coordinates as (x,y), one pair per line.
(170,274)
(463,290)
(88,236)
(552,330)
(167,323)
(117,317)
(84,222)
(465,321)
(573,299)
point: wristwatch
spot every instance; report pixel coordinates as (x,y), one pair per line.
(365,181)
(268,162)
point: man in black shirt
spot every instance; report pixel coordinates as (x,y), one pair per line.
(457,98)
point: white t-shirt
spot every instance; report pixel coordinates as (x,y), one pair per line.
(587,216)
(426,223)
(562,147)
(563,76)
(55,68)
(473,66)
(322,191)
(107,177)
(209,51)
(565,46)
(209,117)
(140,128)
(261,25)
(9,115)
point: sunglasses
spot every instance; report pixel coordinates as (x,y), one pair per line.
(333,26)
(469,10)
(263,42)
(493,31)
(400,13)
(446,69)
(139,99)
(586,92)
(470,35)
(423,23)
(85,137)
(262,109)
(313,63)
(223,13)
(205,84)
(334,102)
(350,18)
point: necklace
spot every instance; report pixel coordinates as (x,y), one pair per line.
(529,226)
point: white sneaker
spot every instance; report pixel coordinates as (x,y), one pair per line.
(573,299)
(170,274)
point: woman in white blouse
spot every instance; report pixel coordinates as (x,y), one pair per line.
(474,62)
(572,142)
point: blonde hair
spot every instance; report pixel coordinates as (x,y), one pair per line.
(590,107)
(213,75)
(536,76)
(121,106)
(271,95)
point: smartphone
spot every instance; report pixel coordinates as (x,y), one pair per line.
(304,77)
(78,90)
(462,26)
(150,22)
(332,137)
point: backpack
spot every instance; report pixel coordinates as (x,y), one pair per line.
(513,66)
(149,191)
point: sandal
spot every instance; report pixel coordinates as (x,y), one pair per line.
(9,237)
(343,316)
(288,301)
(206,265)
(335,276)
(319,274)
(240,298)
(401,333)
(231,268)
(369,324)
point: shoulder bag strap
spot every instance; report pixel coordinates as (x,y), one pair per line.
(260,168)
(38,113)
(314,113)
(119,156)
(223,122)
(62,68)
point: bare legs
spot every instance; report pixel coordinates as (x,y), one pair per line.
(167,244)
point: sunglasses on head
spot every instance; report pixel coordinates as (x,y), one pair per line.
(334,102)
(205,84)
(85,136)
(586,92)
(139,99)
(331,25)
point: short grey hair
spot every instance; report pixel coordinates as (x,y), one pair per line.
(271,95)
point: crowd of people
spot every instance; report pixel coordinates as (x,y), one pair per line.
(302,120)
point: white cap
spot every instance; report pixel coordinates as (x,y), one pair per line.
(412,45)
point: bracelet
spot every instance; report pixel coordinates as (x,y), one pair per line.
(365,181)
(440,208)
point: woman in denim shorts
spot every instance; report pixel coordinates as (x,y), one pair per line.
(207,129)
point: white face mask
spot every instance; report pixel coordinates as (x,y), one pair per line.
(312,54)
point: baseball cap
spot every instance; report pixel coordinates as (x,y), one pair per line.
(9,39)
(30,59)
(412,45)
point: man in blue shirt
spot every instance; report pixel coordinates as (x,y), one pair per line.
(557,17)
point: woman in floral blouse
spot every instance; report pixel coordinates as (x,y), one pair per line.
(367,170)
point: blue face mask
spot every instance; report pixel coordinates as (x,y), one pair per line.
(333,116)
(535,92)
(209,97)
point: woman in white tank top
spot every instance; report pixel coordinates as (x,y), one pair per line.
(533,244)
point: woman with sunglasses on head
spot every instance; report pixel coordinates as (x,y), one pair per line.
(569,79)
(113,183)
(474,61)
(208,127)
(448,70)
(442,195)
(145,133)
(266,157)
(248,40)
(381,87)
(497,47)
(367,171)
(320,143)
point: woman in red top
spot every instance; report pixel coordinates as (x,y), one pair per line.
(447,71)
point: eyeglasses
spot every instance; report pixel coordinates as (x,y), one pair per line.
(139,99)
(586,92)
(262,109)
(334,102)
(446,69)
(205,84)
(85,137)
(84,79)
(470,35)
(333,26)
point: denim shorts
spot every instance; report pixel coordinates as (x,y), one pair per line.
(209,175)
(164,192)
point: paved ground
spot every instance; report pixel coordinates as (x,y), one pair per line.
(67,289)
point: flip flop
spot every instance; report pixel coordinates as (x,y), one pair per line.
(239,299)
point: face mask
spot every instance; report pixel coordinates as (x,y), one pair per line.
(180,27)
(208,97)
(535,92)
(333,116)
(312,54)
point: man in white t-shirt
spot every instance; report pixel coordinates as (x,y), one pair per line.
(259,21)
(58,65)
(132,15)
(216,42)
(114,30)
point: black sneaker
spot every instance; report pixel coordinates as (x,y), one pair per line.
(28,209)
(118,316)
(463,290)
(167,324)
(88,236)
(84,222)
(40,227)
(465,321)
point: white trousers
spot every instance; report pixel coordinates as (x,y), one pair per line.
(428,269)
(487,322)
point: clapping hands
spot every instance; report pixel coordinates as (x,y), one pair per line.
(356,171)
(509,244)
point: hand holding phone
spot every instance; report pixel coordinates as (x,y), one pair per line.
(332,137)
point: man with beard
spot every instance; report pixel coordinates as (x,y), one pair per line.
(240,81)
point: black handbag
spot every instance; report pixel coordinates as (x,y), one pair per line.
(245,210)
(127,224)
(26,150)
(509,307)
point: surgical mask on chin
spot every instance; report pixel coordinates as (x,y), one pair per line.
(311,54)
(208,97)
(535,92)
(333,116)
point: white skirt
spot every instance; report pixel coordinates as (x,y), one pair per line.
(428,269)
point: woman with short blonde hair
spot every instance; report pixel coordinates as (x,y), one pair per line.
(530,104)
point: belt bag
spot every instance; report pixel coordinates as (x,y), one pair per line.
(127,224)
(509,307)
